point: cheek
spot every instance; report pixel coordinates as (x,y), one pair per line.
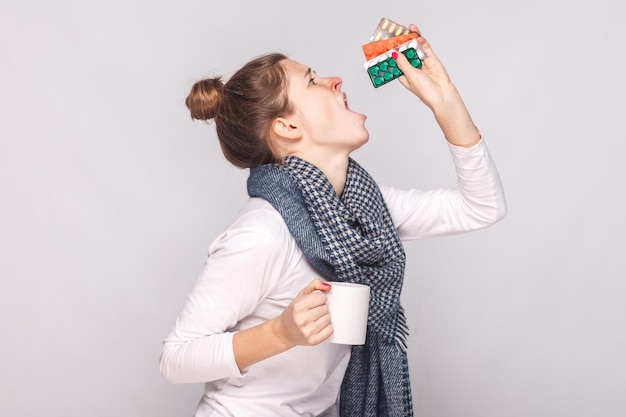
(321,118)
(311,110)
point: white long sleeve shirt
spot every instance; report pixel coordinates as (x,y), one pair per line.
(255,268)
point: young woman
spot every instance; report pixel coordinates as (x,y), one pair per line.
(254,325)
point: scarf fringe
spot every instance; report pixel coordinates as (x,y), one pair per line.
(402,333)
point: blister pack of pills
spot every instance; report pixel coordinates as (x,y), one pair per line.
(387,29)
(389,37)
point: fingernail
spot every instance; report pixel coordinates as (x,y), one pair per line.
(394,55)
(326,284)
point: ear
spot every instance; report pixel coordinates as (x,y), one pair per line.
(286,129)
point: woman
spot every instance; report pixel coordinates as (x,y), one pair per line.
(254,324)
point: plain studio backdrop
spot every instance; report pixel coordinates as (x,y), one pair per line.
(110,195)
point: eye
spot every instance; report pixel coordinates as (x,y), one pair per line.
(312,81)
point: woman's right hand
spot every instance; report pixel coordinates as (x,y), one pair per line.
(305,321)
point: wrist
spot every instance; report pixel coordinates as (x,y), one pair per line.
(259,343)
(454,119)
(280,334)
(449,99)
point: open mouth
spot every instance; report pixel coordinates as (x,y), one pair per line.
(347,107)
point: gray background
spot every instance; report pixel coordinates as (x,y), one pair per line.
(110,195)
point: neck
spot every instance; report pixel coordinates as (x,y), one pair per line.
(334,168)
(337,175)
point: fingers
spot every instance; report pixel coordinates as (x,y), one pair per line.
(312,326)
(322,330)
(312,296)
(319,329)
(306,319)
(316,285)
(414,28)
(421,40)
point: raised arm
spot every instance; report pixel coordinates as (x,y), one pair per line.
(478,199)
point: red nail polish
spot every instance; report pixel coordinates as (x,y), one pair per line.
(394,55)
(326,284)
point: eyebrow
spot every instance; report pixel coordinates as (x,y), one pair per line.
(308,72)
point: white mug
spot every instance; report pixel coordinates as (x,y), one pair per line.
(348,305)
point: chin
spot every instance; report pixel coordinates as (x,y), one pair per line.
(366,136)
(362,140)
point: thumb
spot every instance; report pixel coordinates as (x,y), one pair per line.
(316,285)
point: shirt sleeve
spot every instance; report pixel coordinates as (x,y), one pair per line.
(243,265)
(476,202)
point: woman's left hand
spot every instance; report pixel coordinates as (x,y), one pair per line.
(432,85)
(431,82)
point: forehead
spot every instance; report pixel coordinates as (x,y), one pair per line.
(294,69)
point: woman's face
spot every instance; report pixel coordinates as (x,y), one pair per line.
(321,109)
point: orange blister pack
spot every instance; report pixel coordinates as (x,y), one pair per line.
(373,49)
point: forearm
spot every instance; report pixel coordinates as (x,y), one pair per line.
(258,343)
(454,119)
(305,322)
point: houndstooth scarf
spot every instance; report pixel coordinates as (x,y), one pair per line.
(353,239)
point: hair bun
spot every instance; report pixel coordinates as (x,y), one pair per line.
(205,98)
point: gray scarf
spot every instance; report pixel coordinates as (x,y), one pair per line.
(351,239)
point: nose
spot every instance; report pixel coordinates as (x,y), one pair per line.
(334,83)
